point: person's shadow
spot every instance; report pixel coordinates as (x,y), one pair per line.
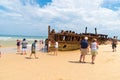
(28,58)
(79,62)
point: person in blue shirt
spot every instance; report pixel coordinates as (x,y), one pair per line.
(33,49)
(84,49)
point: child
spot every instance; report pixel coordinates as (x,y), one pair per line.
(33,47)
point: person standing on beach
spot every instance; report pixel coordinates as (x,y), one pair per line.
(56,48)
(33,49)
(114,44)
(41,44)
(46,44)
(24,46)
(84,49)
(18,45)
(49,46)
(94,50)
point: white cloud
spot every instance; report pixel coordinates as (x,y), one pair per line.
(63,14)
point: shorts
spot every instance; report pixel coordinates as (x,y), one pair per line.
(94,52)
(84,51)
(33,51)
(24,49)
(114,46)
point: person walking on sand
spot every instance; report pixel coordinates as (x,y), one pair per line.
(84,49)
(18,45)
(94,50)
(24,46)
(33,49)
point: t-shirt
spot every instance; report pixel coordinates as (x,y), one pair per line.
(56,44)
(84,44)
(24,44)
(94,46)
(33,46)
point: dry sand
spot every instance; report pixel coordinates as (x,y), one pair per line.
(64,66)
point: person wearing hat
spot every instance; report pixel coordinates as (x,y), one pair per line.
(84,49)
(94,50)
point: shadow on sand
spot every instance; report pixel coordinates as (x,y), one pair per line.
(28,58)
(19,53)
(79,62)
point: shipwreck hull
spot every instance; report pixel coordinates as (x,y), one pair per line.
(69,40)
(67,46)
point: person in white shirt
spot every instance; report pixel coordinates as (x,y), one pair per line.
(94,49)
(56,48)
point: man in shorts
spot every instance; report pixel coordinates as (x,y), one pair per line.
(114,44)
(84,49)
(33,49)
(24,46)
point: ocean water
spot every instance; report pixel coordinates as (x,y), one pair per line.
(10,40)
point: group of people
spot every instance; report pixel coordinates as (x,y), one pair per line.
(84,47)
(24,47)
(53,47)
(23,44)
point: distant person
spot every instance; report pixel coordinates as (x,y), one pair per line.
(24,46)
(56,48)
(33,49)
(94,49)
(18,45)
(84,49)
(41,44)
(46,44)
(114,44)
(49,46)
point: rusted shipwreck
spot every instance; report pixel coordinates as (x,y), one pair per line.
(69,40)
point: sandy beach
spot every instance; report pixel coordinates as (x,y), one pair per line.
(64,66)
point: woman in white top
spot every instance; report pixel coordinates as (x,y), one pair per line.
(94,49)
(49,45)
(56,48)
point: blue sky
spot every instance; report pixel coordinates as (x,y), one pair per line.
(32,17)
